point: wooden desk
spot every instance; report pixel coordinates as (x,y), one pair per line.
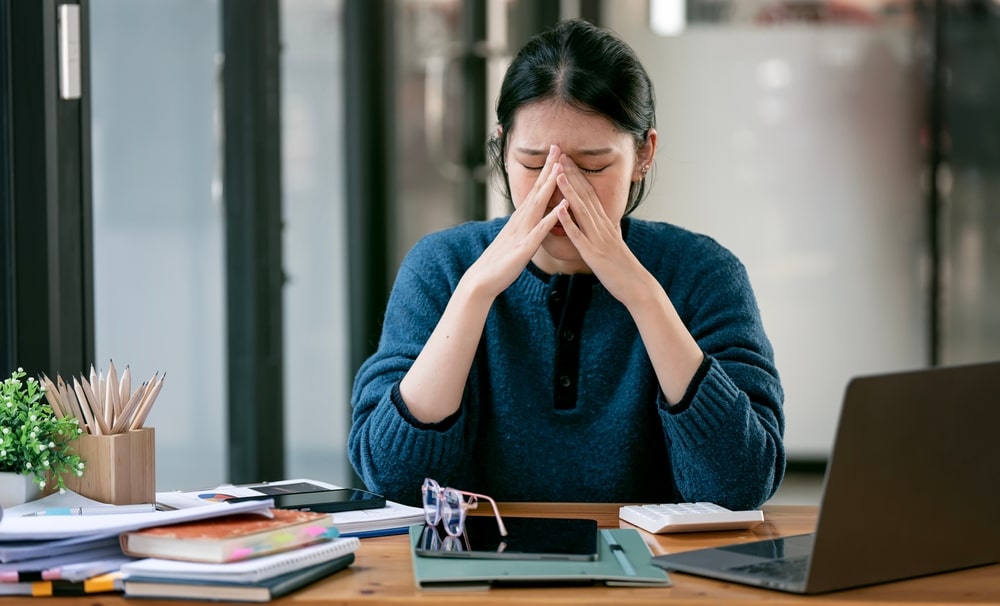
(382,574)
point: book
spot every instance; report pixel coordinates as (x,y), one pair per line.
(230,538)
(103,583)
(259,591)
(40,569)
(246,571)
(394,518)
(624,560)
(60,530)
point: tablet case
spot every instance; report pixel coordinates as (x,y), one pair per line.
(624,560)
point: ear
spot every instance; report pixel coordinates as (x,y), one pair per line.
(644,156)
(495,140)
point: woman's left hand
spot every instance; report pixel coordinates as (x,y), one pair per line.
(596,236)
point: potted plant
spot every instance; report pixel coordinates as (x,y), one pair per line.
(34,442)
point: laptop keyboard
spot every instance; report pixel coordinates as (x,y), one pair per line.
(786,569)
(688,517)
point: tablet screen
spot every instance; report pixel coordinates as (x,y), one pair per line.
(527,539)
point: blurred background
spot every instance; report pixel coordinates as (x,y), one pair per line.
(244,176)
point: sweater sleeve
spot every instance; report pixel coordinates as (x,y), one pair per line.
(726,443)
(389,449)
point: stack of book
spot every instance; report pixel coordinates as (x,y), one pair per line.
(189,544)
(59,547)
(394,518)
(86,567)
(239,558)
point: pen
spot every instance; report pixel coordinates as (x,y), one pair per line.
(619,553)
(93,511)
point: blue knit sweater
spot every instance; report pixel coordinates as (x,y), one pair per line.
(562,403)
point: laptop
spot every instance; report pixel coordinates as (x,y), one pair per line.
(910,490)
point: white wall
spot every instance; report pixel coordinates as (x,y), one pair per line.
(798,148)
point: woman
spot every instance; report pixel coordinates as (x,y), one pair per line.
(569,352)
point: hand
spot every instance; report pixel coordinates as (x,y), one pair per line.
(506,257)
(596,236)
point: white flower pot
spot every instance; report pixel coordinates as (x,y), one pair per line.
(16,488)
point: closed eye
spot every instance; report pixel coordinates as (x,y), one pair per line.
(589,171)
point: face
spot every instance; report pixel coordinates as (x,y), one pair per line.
(590,143)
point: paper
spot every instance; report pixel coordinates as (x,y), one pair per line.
(14,527)
(393,515)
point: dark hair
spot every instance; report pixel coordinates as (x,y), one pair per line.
(588,68)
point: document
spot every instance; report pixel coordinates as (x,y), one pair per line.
(20,527)
(394,518)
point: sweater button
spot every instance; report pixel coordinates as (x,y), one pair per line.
(568,335)
(565,381)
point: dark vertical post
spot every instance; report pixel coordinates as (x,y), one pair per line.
(369,92)
(254,277)
(590,10)
(7,362)
(936,158)
(474,108)
(47,216)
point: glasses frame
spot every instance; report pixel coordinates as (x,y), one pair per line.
(452,502)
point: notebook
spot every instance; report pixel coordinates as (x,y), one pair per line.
(258,591)
(910,490)
(254,570)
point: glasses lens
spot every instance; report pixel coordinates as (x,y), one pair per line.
(432,509)
(453,512)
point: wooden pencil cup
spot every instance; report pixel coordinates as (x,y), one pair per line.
(120,468)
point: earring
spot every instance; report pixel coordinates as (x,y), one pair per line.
(644,169)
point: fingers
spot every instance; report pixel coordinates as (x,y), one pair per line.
(538,196)
(580,195)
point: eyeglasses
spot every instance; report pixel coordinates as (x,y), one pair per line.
(449,505)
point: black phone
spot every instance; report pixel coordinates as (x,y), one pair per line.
(321,501)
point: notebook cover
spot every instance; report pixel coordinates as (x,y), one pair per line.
(253,570)
(262,591)
(437,572)
(229,538)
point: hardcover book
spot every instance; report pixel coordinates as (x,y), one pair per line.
(230,538)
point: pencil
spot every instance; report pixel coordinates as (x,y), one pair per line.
(52,396)
(125,388)
(124,421)
(71,401)
(111,394)
(85,407)
(95,387)
(147,402)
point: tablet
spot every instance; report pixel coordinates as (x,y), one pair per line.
(527,539)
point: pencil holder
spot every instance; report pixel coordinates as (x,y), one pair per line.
(120,468)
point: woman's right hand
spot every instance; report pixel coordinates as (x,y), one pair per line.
(433,386)
(509,253)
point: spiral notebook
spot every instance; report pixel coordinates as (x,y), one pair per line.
(245,571)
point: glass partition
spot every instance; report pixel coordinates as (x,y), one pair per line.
(791,133)
(158,222)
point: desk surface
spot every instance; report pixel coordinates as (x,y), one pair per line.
(382,574)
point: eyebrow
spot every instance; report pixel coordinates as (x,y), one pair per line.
(528,151)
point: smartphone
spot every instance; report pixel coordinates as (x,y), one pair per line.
(321,501)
